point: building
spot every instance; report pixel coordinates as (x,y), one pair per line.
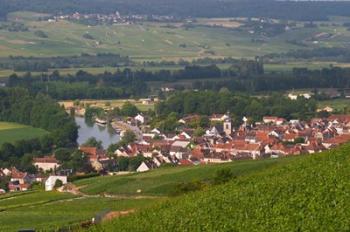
(51,181)
(47,163)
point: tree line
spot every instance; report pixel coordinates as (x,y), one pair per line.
(39,64)
(239,106)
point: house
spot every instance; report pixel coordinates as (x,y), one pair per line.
(97,158)
(273,120)
(179,149)
(219,117)
(327,109)
(20,181)
(146,166)
(140,118)
(46,163)
(51,181)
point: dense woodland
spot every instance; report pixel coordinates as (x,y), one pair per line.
(244,76)
(299,10)
(18,105)
(207,103)
(39,64)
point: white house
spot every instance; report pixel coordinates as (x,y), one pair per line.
(46,163)
(144,167)
(51,181)
(140,118)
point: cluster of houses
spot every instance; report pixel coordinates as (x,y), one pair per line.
(273,137)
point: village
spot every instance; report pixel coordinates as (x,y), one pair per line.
(221,142)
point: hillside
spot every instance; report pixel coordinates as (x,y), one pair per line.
(163,181)
(311,193)
(305,10)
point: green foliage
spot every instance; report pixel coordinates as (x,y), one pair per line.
(223,175)
(58,184)
(207,103)
(129,110)
(41,34)
(92,142)
(187,187)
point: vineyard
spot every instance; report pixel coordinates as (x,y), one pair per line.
(310,193)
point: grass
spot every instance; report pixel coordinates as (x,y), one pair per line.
(11,132)
(308,193)
(163,181)
(45,211)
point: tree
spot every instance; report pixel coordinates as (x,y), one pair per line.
(58,183)
(129,110)
(62,155)
(128,137)
(92,142)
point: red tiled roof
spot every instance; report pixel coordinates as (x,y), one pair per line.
(45,159)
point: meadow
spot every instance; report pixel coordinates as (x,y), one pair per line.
(11,132)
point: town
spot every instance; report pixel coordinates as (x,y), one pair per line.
(219,142)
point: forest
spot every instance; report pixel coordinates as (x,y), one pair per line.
(244,76)
(39,64)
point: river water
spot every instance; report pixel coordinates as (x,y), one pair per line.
(86,130)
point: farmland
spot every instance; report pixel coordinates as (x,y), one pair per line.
(50,210)
(11,132)
(47,210)
(111,103)
(164,180)
(310,193)
(154,41)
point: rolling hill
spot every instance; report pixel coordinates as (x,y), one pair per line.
(310,193)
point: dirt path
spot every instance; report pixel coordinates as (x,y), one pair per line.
(115,214)
(75,190)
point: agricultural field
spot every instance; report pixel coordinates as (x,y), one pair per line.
(110,103)
(163,181)
(309,193)
(154,41)
(11,132)
(47,211)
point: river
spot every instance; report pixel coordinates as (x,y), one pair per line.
(106,134)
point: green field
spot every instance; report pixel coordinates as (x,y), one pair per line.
(163,181)
(309,193)
(147,41)
(11,132)
(47,211)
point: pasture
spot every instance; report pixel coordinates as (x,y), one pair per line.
(11,132)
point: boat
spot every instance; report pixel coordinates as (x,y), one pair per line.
(100,121)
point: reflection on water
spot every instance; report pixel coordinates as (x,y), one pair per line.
(88,129)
